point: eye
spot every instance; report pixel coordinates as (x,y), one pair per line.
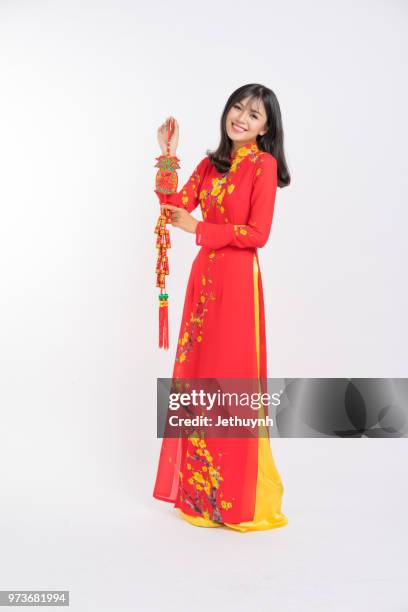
(238,107)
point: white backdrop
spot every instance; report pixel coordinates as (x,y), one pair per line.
(84,87)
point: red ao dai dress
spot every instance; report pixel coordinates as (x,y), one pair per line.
(225,481)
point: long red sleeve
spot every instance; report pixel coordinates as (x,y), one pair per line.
(256,232)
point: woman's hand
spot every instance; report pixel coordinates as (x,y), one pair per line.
(181,218)
(162,137)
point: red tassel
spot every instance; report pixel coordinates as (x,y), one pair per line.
(163,321)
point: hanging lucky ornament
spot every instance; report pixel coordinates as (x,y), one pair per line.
(166,182)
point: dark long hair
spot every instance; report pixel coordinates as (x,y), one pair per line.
(271,141)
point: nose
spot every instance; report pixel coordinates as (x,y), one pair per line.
(241,118)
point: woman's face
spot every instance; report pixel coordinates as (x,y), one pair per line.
(245,121)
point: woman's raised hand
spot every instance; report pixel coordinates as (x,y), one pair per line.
(162,137)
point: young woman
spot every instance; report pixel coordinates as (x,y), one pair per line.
(231,482)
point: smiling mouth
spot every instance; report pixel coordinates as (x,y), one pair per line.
(238,128)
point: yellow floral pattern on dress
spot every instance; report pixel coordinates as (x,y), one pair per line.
(202,492)
(240,229)
(214,196)
(193,184)
(193,328)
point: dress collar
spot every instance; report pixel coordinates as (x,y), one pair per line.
(245,148)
